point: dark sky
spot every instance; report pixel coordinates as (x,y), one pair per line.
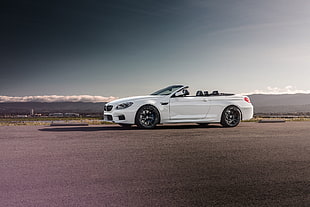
(129,47)
(51,39)
(66,26)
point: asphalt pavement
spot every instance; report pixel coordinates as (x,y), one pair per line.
(254,164)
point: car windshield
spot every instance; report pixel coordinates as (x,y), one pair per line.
(167,91)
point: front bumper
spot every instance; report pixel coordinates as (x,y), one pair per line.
(120,116)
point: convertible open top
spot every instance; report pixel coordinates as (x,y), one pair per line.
(174,104)
(214,93)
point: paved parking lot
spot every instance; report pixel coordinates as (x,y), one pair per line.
(174,165)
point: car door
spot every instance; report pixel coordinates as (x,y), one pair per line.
(188,108)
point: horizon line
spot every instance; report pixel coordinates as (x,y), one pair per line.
(101,99)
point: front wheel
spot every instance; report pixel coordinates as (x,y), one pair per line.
(231,116)
(147,117)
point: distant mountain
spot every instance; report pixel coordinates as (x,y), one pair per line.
(285,103)
(51,107)
(288,103)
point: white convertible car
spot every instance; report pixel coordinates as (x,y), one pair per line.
(174,105)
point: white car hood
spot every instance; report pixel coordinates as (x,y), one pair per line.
(132,99)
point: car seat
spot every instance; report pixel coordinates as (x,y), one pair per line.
(215,93)
(199,93)
(186,92)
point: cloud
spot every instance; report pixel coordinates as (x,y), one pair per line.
(276,90)
(56,98)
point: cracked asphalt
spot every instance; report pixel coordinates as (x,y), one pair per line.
(174,165)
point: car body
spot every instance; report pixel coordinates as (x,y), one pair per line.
(173,104)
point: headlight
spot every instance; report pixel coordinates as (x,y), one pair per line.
(124,105)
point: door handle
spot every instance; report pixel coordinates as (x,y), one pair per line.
(164,103)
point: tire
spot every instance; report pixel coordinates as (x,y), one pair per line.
(147,117)
(231,116)
(125,126)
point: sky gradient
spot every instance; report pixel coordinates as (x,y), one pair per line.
(128,47)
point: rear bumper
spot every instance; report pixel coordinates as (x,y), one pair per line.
(247,113)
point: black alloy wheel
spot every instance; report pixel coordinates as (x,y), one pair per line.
(231,116)
(147,117)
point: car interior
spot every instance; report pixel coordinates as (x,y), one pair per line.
(205,93)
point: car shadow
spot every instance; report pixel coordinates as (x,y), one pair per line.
(84,128)
(187,126)
(119,128)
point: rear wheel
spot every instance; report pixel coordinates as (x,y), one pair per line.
(231,116)
(147,117)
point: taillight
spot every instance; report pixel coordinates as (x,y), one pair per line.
(247,99)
